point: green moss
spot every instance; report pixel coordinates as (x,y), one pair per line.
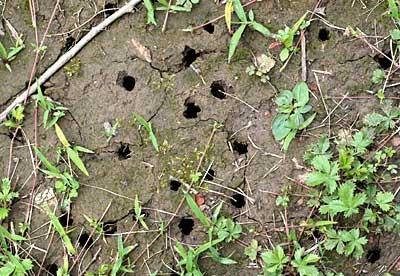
(73,68)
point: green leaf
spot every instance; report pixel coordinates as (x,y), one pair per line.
(237,5)
(384,200)
(46,162)
(196,210)
(284,54)
(394,10)
(354,244)
(301,94)
(252,250)
(279,127)
(274,260)
(261,29)
(61,136)
(3,53)
(288,139)
(361,142)
(228,14)
(74,156)
(235,40)
(150,12)
(307,122)
(379,75)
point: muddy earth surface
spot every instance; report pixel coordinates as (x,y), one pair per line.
(176,92)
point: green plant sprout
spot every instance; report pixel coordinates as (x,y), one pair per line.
(163,5)
(6,197)
(111,131)
(122,257)
(148,127)
(252,250)
(52,111)
(245,21)
(16,118)
(286,37)
(292,107)
(9,55)
(138,213)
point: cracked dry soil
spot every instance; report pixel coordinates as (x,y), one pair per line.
(113,83)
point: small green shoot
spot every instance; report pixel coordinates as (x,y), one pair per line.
(378,76)
(6,197)
(292,107)
(304,263)
(16,118)
(122,257)
(9,55)
(138,213)
(148,127)
(252,250)
(274,260)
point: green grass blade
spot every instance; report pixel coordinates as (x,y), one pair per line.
(60,230)
(3,53)
(239,10)
(196,210)
(235,41)
(46,162)
(150,12)
(74,156)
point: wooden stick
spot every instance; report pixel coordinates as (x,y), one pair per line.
(69,55)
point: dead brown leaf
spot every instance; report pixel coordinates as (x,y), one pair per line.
(141,51)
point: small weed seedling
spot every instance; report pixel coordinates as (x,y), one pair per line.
(245,20)
(6,197)
(122,257)
(163,5)
(9,55)
(292,107)
(111,131)
(52,111)
(138,213)
(287,35)
(148,127)
(252,250)
(15,119)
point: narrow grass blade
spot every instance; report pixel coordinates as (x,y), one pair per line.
(196,210)
(61,136)
(228,14)
(235,41)
(74,156)
(46,162)
(239,10)
(150,12)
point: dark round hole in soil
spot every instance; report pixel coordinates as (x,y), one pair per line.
(109,9)
(191,110)
(209,28)
(316,234)
(239,147)
(324,34)
(210,175)
(174,185)
(109,227)
(52,269)
(124,152)
(189,56)
(69,42)
(373,255)
(65,220)
(238,200)
(128,82)
(186,225)
(85,240)
(383,61)
(218,89)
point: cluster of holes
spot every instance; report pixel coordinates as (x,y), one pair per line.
(238,200)
(109,227)
(209,28)
(124,152)
(85,240)
(191,109)
(373,254)
(324,34)
(239,147)
(218,89)
(109,9)
(126,81)
(189,56)
(383,60)
(66,220)
(186,225)
(174,185)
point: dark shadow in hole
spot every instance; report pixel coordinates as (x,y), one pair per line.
(373,254)
(174,185)
(383,61)
(210,175)
(85,240)
(209,28)
(110,9)
(52,269)
(324,34)
(186,225)
(239,147)
(189,56)
(218,89)
(109,227)
(124,152)
(65,219)
(69,43)
(126,81)
(191,109)
(238,200)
